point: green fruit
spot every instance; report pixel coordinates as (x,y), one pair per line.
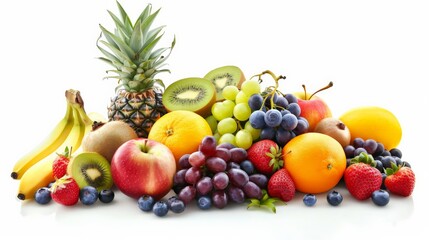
(225,76)
(91,169)
(192,94)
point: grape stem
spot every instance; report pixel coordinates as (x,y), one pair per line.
(273,89)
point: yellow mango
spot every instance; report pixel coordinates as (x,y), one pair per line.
(373,122)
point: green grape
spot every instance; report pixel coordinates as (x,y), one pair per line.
(217,136)
(227,138)
(229,106)
(229,92)
(242,111)
(250,87)
(211,120)
(241,97)
(220,111)
(243,138)
(253,131)
(227,125)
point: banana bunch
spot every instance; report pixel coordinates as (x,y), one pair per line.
(34,170)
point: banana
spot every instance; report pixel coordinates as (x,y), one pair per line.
(54,140)
(40,174)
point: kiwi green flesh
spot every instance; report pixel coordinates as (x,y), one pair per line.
(91,168)
(192,94)
(225,76)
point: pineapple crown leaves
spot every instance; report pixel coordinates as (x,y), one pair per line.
(131,50)
(364,158)
(266,201)
(275,154)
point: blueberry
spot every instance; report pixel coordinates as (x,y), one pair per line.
(380,197)
(176,205)
(204,202)
(88,195)
(43,195)
(309,199)
(247,166)
(146,203)
(387,161)
(160,208)
(396,152)
(379,166)
(106,196)
(384,175)
(334,198)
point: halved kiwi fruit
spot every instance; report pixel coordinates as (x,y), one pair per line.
(225,76)
(91,168)
(192,94)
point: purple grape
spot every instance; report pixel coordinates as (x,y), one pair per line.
(179,178)
(294,109)
(283,136)
(289,122)
(197,159)
(359,151)
(223,153)
(267,102)
(268,133)
(219,199)
(215,164)
(184,161)
(193,175)
(273,118)
(281,102)
(259,179)
(370,146)
(379,150)
(255,102)
(235,194)
(204,186)
(187,194)
(238,177)
(238,155)
(208,146)
(349,150)
(396,152)
(230,165)
(220,180)
(226,145)
(302,126)
(257,119)
(358,142)
(291,98)
(252,190)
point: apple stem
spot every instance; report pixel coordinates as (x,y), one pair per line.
(305,91)
(330,84)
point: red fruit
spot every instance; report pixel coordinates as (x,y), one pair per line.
(266,156)
(65,191)
(362,179)
(400,180)
(59,166)
(281,185)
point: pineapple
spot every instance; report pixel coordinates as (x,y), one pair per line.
(130,49)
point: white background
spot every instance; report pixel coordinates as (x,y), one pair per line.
(375,52)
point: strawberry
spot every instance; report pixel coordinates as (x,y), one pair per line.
(65,191)
(59,166)
(400,180)
(361,177)
(281,185)
(266,156)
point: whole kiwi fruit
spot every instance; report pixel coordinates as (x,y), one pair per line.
(335,128)
(105,138)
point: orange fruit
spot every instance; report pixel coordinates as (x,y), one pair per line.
(373,122)
(181,131)
(315,161)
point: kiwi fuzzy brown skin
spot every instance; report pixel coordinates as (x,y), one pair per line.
(192,94)
(225,76)
(335,128)
(91,169)
(105,138)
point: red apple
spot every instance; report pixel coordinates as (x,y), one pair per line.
(143,167)
(313,108)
